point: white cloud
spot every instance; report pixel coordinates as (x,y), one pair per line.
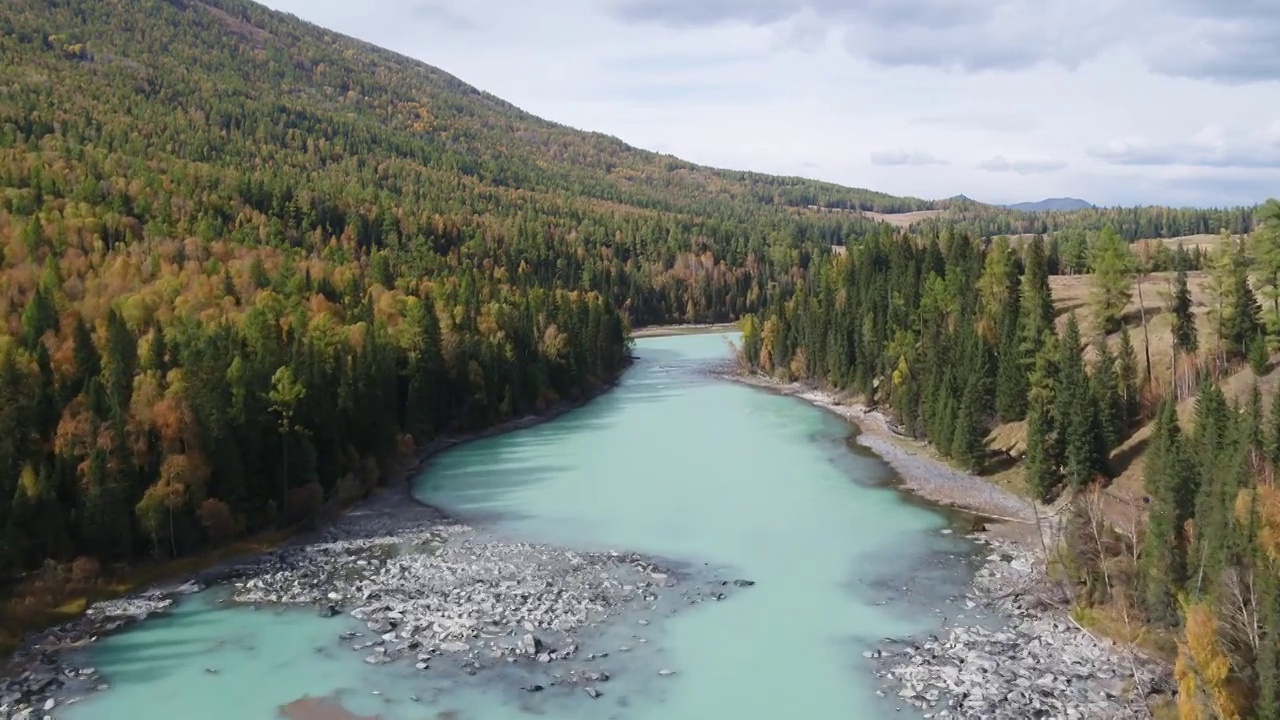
(1108,101)
(1211,147)
(1021,167)
(905,157)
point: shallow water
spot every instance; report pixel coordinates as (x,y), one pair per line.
(673,463)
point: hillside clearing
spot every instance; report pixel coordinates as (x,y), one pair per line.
(902,220)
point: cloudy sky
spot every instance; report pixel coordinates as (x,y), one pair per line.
(1114,101)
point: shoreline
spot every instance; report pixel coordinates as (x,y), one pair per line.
(918,474)
(650,331)
(1041,663)
(296,572)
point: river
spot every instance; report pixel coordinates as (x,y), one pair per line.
(732,481)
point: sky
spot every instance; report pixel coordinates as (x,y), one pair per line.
(1118,102)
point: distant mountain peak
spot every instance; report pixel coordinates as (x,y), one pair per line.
(1062,203)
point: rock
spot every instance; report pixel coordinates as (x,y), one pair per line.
(533,688)
(744,583)
(530,645)
(594,693)
(1038,666)
(422,587)
(49,704)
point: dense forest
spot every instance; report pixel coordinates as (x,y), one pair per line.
(248,266)
(955,336)
(1131,223)
(225,120)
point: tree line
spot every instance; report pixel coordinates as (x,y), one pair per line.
(953,336)
(164,396)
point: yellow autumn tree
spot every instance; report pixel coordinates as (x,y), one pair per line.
(1203,670)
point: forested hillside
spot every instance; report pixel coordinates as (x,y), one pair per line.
(182,119)
(247,265)
(1131,223)
(955,338)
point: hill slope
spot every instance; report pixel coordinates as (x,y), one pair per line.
(1051,204)
(247,265)
(302,131)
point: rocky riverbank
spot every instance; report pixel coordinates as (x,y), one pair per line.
(1038,664)
(918,472)
(429,591)
(1028,659)
(453,592)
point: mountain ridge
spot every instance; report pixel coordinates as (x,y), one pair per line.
(1055,203)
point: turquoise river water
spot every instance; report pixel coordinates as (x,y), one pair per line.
(675,463)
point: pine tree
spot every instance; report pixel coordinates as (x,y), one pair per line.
(1011,370)
(1264,246)
(1259,358)
(968,444)
(1254,420)
(1035,303)
(1163,552)
(39,317)
(1112,262)
(1043,456)
(1221,451)
(1076,413)
(1184,322)
(1127,379)
(1244,324)
(1107,395)
(997,286)
(1268,653)
(1273,436)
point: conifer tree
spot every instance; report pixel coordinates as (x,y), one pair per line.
(1268,653)
(1076,413)
(1108,395)
(996,287)
(1222,449)
(968,444)
(1244,324)
(1127,379)
(1044,451)
(1111,262)
(1273,434)
(1163,553)
(1035,303)
(1264,246)
(1184,322)
(1259,358)
(1011,369)
(1254,419)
